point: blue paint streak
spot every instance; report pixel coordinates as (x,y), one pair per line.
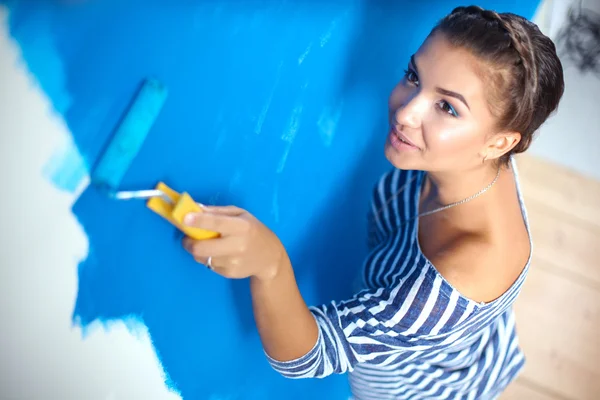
(66,169)
(237,72)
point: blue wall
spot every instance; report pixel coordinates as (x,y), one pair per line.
(276,106)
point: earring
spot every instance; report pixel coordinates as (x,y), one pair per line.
(484,159)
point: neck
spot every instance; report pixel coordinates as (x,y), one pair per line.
(443,188)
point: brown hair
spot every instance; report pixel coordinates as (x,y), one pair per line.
(520,63)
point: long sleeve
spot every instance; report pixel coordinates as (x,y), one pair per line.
(380,326)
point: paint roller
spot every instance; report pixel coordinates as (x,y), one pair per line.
(121,150)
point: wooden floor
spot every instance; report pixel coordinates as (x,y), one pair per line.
(558,312)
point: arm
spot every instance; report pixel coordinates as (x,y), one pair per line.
(375,326)
(287,328)
(248,249)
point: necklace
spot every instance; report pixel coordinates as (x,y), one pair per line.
(442,208)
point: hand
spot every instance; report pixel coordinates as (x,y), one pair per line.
(246,247)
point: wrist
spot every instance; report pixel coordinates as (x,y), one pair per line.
(276,270)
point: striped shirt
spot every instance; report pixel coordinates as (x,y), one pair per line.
(410,334)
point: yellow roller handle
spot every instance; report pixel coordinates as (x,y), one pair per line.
(174,212)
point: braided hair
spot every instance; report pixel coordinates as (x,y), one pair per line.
(523,73)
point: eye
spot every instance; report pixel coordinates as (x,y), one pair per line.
(411,76)
(447,108)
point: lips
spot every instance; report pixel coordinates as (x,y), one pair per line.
(403,138)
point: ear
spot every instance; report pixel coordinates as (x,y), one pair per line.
(500,144)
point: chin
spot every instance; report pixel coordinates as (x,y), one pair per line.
(402,160)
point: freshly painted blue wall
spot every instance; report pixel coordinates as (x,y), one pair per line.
(276,106)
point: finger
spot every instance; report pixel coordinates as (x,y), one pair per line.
(224,267)
(223,224)
(232,211)
(219,247)
(214,263)
(217,264)
(204,261)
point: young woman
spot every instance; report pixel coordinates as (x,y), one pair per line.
(450,244)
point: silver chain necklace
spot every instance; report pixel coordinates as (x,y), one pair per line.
(482,191)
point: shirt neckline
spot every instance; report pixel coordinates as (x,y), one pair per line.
(517,283)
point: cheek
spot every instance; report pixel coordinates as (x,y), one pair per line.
(443,135)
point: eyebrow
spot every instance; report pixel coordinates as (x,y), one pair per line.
(439,89)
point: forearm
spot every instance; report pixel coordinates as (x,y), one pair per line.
(286,326)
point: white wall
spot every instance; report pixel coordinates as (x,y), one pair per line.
(41,244)
(572,136)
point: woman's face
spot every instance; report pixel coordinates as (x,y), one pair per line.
(440,108)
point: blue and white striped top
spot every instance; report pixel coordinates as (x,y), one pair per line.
(410,334)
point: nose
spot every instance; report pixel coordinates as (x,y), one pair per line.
(409,112)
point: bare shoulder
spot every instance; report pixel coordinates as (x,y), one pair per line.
(480,268)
